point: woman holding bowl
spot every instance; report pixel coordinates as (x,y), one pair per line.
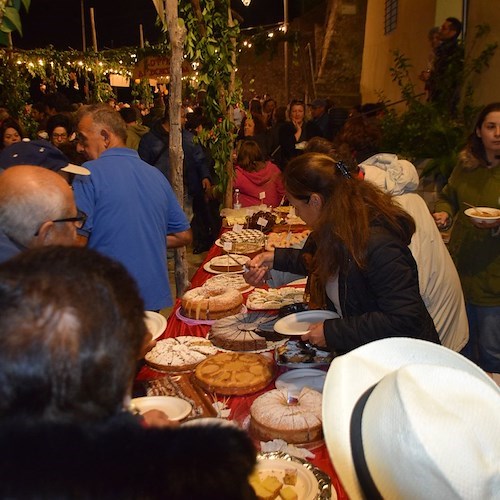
(474,244)
(357,257)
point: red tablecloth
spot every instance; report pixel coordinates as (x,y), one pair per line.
(238,404)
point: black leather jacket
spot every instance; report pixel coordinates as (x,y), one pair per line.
(382,300)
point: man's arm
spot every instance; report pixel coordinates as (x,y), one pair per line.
(181,239)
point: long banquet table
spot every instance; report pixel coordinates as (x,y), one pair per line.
(176,327)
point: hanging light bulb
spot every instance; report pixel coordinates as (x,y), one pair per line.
(246,3)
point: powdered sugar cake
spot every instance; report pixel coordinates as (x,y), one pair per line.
(274,415)
(228,281)
(179,353)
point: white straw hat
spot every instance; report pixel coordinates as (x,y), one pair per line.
(413,420)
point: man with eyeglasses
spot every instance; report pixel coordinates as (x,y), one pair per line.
(37,209)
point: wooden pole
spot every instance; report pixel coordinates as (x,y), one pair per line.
(141,36)
(82,15)
(285,48)
(94,34)
(177,35)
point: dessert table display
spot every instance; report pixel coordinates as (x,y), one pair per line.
(235,366)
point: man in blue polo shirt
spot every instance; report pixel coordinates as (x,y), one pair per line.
(133,214)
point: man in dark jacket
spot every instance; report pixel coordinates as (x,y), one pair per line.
(153,147)
(446,75)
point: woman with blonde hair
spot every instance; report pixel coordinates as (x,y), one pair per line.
(357,257)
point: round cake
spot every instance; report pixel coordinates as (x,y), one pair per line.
(229,263)
(275,415)
(234,373)
(207,303)
(245,241)
(179,353)
(239,332)
(228,281)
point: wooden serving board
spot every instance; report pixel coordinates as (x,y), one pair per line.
(180,386)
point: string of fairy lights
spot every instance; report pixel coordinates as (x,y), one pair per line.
(48,62)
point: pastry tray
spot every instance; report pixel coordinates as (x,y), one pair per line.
(179,385)
(298,354)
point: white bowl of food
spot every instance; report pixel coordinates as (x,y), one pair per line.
(486,215)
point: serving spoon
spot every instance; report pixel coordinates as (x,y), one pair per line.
(479,211)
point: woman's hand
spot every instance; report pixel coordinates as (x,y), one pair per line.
(258,268)
(442,220)
(315,335)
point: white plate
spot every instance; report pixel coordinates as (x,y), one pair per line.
(299,323)
(174,408)
(472,213)
(295,380)
(207,268)
(155,323)
(208,421)
(306,486)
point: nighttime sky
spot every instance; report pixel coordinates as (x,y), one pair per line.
(58,22)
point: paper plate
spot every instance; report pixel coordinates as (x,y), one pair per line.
(295,380)
(174,408)
(299,323)
(312,483)
(155,323)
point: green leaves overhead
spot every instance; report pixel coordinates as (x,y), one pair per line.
(211,46)
(10,20)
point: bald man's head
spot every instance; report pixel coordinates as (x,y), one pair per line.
(31,198)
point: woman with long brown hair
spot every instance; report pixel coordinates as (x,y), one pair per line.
(475,244)
(357,257)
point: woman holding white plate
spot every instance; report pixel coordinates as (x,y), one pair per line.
(475,243)
(357,257)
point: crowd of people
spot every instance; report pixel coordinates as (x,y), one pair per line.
(274,147)
(87,214)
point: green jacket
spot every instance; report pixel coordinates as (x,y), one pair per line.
(134,135)
(476,252)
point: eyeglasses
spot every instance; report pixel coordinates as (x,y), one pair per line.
(79,220)
(59,136)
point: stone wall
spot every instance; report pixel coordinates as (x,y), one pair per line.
(265,73)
